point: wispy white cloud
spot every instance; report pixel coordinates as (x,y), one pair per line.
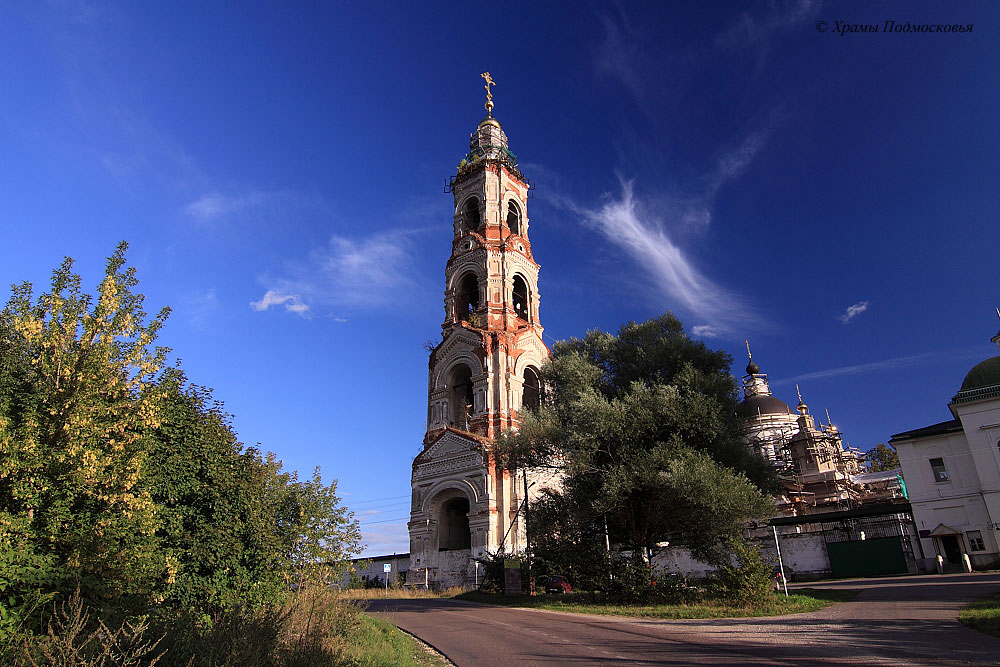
(732,163)
(358,273)
(214,206)
(291,302)
(626,223)
(757,31)
(853,311)
(616,57)
(705,331)
(697,206)
(884,365)
(199,307)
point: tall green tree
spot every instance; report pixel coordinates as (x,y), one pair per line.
(882,458)
(643,424)
(217,505)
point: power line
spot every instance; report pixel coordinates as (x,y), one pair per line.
(371,523)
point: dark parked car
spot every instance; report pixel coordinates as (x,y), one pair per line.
(557,584)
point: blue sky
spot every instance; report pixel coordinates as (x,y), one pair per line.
(278,170)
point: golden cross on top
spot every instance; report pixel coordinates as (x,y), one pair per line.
(489,94)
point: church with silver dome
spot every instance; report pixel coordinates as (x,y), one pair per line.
(952,473)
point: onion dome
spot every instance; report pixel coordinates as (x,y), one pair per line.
(983,380)
(982,375)
(762,405)
(801,407)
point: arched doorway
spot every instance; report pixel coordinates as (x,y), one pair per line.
(453,525)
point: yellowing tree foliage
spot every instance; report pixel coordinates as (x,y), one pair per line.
(72,456)
(122,480)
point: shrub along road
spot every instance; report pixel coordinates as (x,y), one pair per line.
(893,621)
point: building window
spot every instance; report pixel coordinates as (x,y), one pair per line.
(940,472)
(976,541)
(471,215)
(468,297)
(513,218)
(521,298)
(460,397)
(531,397)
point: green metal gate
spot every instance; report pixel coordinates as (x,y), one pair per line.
(867,558)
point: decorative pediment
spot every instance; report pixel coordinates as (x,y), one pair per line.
(943,530)
(451,443)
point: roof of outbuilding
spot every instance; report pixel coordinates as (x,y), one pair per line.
(933,429)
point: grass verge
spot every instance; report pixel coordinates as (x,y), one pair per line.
(398,593)
(803,600)
(378,643)
(983,615)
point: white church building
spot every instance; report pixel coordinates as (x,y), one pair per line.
(952,473)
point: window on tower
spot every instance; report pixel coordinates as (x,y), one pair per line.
(532,394)
(513,218)
(471,215)
(521,298)
(467,301)
(461,400)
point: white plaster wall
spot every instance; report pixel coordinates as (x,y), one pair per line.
(804,555)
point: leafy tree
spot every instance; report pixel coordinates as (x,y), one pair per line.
(123,481)
(882,458)
(79,372)
(644,426)
(218,505)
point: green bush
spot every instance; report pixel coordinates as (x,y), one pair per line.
(747,580)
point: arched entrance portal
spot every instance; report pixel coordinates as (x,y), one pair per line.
(453,524)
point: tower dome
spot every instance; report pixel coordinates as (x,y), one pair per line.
(983,379)
(760,405)
(984,374)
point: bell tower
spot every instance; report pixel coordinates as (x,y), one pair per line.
(482,372)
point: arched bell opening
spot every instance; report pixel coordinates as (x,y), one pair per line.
(461,400)
(453,525)
(471,215)
(531,395)
(513,217)
(521,307)
(467,298)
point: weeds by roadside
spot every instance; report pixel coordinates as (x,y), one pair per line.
(316,627)
(399,593)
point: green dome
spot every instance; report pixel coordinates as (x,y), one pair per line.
(984,374)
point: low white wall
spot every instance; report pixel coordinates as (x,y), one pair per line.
(804,557)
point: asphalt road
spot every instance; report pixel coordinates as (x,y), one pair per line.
(894,621)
